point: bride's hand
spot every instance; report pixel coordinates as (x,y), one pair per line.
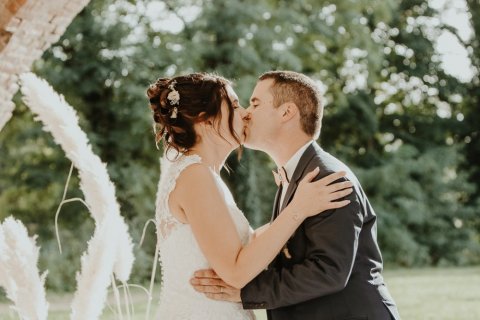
(312,198)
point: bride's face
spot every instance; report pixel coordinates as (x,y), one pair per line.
(238,125)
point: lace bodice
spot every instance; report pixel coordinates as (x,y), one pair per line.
(180,255)
(170,170)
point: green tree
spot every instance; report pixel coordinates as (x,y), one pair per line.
(471,101)
(423,113)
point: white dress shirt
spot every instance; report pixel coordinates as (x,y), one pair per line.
(290,167)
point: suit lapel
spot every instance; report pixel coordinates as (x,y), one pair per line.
(298,173)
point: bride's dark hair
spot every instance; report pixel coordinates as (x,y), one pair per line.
(200,98)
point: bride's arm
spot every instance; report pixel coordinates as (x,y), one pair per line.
(260,230)
(200,198)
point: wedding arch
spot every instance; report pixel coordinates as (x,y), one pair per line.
(27,29)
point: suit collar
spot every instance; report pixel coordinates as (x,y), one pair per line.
(291,164)
(309,153)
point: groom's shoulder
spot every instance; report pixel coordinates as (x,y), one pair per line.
(326,162)
(318,161)
(329,164)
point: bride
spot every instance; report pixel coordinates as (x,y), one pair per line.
(199,226)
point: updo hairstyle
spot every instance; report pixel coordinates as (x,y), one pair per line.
(198,97)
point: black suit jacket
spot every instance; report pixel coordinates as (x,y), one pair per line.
(335,267)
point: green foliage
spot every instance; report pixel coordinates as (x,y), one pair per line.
(74,243)
(470,133)
(420,198)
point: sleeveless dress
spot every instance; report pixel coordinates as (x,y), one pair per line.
(180,255)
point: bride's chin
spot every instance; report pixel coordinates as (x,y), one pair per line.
(236,146)
(233,145)
(243,138)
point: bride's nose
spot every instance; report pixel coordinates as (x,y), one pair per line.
(243,112)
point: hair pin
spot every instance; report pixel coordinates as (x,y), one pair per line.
(173,96)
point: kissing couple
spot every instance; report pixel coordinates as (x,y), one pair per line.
(318,258)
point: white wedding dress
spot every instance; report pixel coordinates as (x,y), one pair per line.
(180,255)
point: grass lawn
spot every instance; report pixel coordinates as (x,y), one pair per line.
(425,294)
(421,294)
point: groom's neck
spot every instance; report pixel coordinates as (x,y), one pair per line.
(285,148)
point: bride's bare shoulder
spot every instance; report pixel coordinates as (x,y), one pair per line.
(195,178)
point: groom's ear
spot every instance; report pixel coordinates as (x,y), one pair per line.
(288,111)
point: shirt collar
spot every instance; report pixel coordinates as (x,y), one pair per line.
(291,164)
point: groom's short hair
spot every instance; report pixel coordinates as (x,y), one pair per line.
(290,86)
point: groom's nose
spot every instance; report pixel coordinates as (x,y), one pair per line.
(247,116)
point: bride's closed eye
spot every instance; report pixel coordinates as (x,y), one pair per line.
(237,105)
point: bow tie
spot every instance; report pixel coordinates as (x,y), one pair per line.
(280,176)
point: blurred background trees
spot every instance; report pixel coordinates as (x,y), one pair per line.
(407,128)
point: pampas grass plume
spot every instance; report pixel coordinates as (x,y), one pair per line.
(19,274)
(111,248)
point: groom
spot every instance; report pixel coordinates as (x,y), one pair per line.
(331,268)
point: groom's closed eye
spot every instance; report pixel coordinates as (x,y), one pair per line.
(254,102)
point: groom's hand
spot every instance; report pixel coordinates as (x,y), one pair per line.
(210,284)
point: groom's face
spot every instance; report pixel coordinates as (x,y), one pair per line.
(263,119)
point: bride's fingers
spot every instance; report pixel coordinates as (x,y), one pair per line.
(311,175)
(332,177)
(340,194)
(338,186)
(338,204)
